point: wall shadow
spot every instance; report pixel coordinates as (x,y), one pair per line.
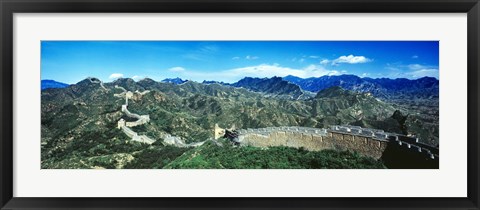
(398,156)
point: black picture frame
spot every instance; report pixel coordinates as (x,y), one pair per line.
(9,7)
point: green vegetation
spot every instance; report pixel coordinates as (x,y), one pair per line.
(155,157)
(79,125)
(210,156)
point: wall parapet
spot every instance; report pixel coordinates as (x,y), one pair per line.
(267,130)
(371,142)
(412,142)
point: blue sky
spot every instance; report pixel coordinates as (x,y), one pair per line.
(229,61)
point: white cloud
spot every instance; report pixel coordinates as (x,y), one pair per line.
(365,74)
(351,59)
(423,73)
(412,71)
(416,66)
(209,49)
(325,62)
(266,70)
(313,56)
(235,58)
(415,56)
(177,69)
(391,68)
(115,76)
(249,57)
(301,60)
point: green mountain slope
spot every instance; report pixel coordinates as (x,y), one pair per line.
(228,157)
(79,122)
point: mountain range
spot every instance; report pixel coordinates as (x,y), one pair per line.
(291,87)
(79,121)
(176,80)
(52,84)
(385,88)
(273,87)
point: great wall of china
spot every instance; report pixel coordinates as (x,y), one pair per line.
(369,142)
(143,119)
(97,81)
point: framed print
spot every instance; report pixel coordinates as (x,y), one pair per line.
(239,105)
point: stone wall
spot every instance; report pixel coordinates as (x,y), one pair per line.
(128,132)
(178,141)
(366,141)
(314,140)
(367,146)
(97,81)
(143,139)
(141,119)
(411,142)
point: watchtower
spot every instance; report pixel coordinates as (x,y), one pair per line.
(121,123)
(128,95)
(218,132)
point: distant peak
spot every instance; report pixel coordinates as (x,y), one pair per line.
(428,78)
(93,80)
(146,79)
(291,76)
(124,79)
(89,80)
(274,78)
(176,80)
(48,80)
(49,83)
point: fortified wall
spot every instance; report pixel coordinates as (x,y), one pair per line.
(97,81)
(133,134)
(141,119)
(313,139)
(178,141)
(368,142)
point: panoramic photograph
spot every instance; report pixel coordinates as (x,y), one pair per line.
(239,105)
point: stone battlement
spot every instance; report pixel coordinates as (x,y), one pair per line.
(411,142)
(134,135)
(369,142)
(268,130)
(142,93)
(313,139)
(178,141)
